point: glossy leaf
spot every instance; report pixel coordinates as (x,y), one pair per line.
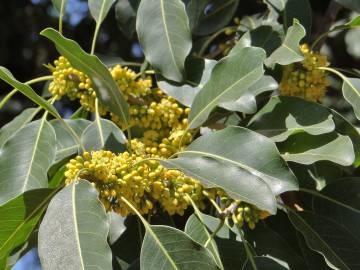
(248,166)
(186,93)
(351,92)
(25,159)
(247,103)
(18,219)
(207,16)
(229,80)
(169,248)
(75,227)
(283,116)
(106,89)
(66,145)
(164,35)
(347,211)
(340,248)
(307,149)
(300,10)
(99,9)
(96,134)
(25,89)
(16,124)
(289,51)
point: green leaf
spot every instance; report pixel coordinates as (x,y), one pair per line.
(75,227)
(231,251)
(264,36)
(97,133)
(117,226)
(300,10)
(265,263)
(248,166)
(267,242)
(229,80)
(207,16)
(125,13)
(350,4)
(66,145)
(354,23)
(283,116)
(16,124)
(197,229)
(164,35)
(289,51)
(7,77)
(18,219)
(278,4)
(247,103)
(345,192)
(339,247)
(169,248)
(106,89)
(186,93)
(25,159)
(99,9)
(344,127)
(57,4)
(307,149)
(351,92)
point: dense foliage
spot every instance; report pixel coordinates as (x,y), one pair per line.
(213,153)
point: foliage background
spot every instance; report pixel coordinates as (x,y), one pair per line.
(23,51)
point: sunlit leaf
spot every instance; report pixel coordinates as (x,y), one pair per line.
(99,9)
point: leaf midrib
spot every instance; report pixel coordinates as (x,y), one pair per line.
(77,238)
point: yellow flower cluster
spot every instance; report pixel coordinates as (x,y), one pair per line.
(142,183)
(77,85)
(304,79)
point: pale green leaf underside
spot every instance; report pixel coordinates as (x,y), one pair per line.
(25,159)
(167,248)
(164,35)
(229,80)
(99,9)
(289,51)
(351,92)
(73,233)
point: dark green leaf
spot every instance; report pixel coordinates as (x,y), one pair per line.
(247,103)
(106,89)
(99,9)
(66,145)
(6,76)
(18,219)
(345,191)
(300,10)
(164,34)
(125,13)
(75,227)
(207,16)
(323,235)
(265,263)
(248,166)
(307,149)
(25,159)
(16,124)
(289,51)
(284,116)
(96,134)
(186,93)
(168,248)
(229,80)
